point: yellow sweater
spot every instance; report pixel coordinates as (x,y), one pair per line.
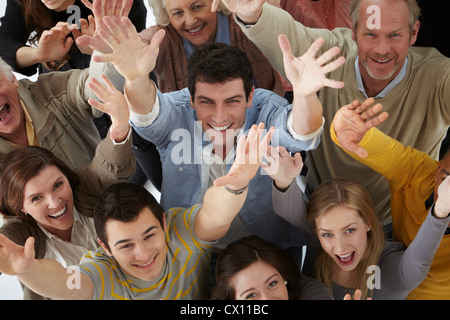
(411,176)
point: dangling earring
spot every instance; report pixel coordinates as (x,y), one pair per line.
(285,282)
(368,229)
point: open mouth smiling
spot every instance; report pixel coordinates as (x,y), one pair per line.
(4,111)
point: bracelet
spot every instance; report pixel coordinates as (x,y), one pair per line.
(236,192)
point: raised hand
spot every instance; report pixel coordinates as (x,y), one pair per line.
(114,104)
(307,73)
(248,11)
(352,121)
(115,9)
(130,56)
(249,152)
(282,167)
(54,43)
(15,259)
(87,27)
(442,206)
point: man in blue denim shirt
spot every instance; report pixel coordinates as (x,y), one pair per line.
(195,129)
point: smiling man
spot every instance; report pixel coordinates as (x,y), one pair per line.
(199,124)
(412,84)
(145,253)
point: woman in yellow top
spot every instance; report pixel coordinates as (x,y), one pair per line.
(414,178)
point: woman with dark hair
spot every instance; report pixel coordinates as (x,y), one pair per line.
(32,20)
(254,269)
(42,197)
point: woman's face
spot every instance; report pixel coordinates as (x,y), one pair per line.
(259,281)
(58,5)
(48,198)
(343,236)
(193,20)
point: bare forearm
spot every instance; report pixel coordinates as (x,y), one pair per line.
(140,94)
(219,209)
(307,114)
(26,56)
(50,279)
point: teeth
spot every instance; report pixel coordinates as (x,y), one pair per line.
(220,128)
(196,29)
(146,264)
(345,255)
(59,213)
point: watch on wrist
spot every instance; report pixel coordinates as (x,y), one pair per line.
(236,192)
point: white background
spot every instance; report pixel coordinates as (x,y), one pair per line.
(9,286)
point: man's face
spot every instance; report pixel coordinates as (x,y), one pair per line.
(221,109)
(138,246)
(383,40)
(11,113)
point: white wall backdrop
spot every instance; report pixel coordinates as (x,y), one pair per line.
(9,286)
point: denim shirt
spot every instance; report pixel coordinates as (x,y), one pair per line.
(180,141)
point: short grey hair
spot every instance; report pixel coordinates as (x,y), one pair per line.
(414,13)
(6,70)
(162,17)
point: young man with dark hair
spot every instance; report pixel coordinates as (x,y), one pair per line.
(145,253)
(195,129)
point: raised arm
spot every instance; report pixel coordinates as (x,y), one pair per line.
(134,60)
(45,277)
(352,121)
(307,75)
(248,11)
(223,201)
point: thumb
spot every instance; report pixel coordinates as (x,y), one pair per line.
(285,47)
(29,248)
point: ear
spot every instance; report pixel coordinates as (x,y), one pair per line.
(164,223)
(415,31)
(16,83)
(104,247)
(250,98)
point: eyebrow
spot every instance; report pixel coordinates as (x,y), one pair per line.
(233,97)
(32,195)
(341,228)
(267,280)
(128,240)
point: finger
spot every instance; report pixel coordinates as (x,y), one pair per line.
(315,47)
(118,8)
(285,47)
(240,150)
(358,295)
(118,30)
(333,65)
(109,84)
(87,4)
(106,57)
(352,106)
(369,112)
(99,90)
(298,161)
(328,55)
(29,248)
(374,122)
(127,8)
(333,83)
(364,105)
(214,5)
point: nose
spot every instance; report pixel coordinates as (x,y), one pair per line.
(53,201)
(190,18)
(382,46)
(219,116)
(141,253)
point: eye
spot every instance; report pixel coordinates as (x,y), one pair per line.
(58,184)
(126,246)
(197,7)
(177,13)
(149,236)
(251,296)
(327,235)
(35,198)
(350,230)
(273,284)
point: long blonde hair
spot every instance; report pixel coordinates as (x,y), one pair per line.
(336,192)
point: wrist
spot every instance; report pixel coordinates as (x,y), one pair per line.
(282,185)
(236,191)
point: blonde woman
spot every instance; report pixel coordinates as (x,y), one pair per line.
(346,240)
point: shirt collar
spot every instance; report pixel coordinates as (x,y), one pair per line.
(222,34)
(388,88)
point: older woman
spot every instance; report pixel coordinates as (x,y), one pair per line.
(190,23)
